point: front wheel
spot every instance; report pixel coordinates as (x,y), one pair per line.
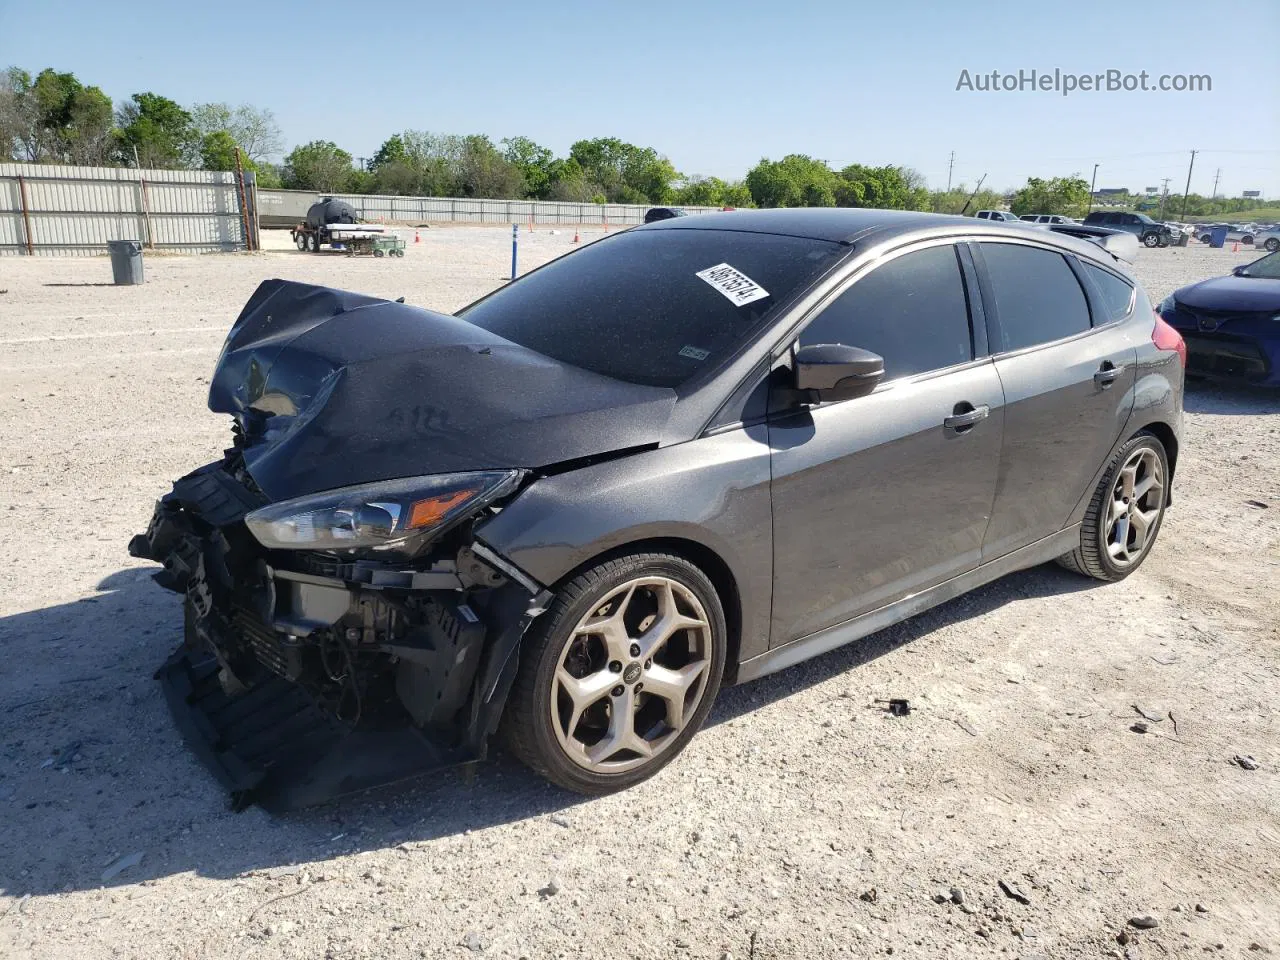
(1125,514)
(1272,245)
(617,676)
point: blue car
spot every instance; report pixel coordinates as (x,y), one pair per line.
(1231,324)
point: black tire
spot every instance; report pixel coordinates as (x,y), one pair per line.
(315,242)
(1091,558)
(1272,245)
(300,240)
(527,720)
(1206,239)
(1151,239)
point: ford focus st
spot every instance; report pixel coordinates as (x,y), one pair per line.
(685,456)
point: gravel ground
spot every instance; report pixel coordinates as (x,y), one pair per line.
(803,822)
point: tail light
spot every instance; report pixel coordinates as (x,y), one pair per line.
(1167,338)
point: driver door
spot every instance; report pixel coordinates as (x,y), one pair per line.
(882,496)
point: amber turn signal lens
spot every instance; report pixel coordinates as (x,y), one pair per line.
(424,513)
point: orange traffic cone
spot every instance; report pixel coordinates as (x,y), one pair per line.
(417,237)
(1235,247)
(575,235)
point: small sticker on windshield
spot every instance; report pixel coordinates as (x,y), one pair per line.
(736,286)
(694,353)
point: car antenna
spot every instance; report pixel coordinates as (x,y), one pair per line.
(971,196)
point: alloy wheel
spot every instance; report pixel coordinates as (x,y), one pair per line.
(1137,497)
(631,675)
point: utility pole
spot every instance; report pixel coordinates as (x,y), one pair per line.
(1091,189)
(950,163)
(1164,195)
(1216,176)
(1187,192)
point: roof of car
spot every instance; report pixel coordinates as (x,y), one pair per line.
(850,224)
(839,224)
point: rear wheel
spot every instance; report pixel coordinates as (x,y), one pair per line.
(618,674)
(315,242)
(1272,245)
(1125,514)
(301,240)
(1151,239)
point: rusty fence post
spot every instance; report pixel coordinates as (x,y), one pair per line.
(26,215)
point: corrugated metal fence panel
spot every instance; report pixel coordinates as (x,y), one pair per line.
(76,210)
(286,207)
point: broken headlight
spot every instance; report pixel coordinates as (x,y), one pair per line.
(378,516)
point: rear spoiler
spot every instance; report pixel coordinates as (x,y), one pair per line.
(1118,243)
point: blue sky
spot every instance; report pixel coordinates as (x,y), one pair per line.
(714,85)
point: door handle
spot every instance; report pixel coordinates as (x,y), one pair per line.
(966,415)
(1107,375)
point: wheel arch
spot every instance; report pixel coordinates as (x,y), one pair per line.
(705,559)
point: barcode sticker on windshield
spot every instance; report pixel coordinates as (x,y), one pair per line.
(736,286)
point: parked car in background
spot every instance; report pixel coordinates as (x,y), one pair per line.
(1235,234)
(669,461)
(1045,218)
(1268,239)
(656,214)
(1001,215)
(1231,324)
(1149,232)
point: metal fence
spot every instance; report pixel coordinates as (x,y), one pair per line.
(48,210)
(283,208)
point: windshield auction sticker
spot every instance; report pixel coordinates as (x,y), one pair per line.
(737,287)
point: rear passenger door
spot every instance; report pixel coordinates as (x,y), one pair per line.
(1066,362)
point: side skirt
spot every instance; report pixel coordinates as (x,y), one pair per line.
(804,648)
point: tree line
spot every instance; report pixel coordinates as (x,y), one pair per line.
(53,117)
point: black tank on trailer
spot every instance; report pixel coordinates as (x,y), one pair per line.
(330,211)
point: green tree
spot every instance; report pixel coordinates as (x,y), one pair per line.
(53,118)
(1068,196)
(218,152)
(954,200)
(254,130)
(885,188)
(794,181)
(534,163)
(627,173)
(159,130)
(319,165)
(482,171)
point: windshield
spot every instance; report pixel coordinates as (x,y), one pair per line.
(1268,268)
(653,307)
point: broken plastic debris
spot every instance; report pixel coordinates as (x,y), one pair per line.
(121,865)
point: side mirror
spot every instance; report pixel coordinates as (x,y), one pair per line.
(1238,271)
(834,371)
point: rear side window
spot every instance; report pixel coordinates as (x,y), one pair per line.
(1038,299)
(912,311)
(1116,294)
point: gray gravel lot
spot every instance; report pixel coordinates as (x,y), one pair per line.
(803,822)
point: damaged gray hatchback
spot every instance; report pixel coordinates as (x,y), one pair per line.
(687,455)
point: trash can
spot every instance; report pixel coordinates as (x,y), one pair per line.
(1185,238)
(126,261)
(1217,237)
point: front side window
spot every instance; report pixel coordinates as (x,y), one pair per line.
(1037,297)
(912,311)
(635,308)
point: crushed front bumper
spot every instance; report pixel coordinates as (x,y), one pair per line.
(247,687)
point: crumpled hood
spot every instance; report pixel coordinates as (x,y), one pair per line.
(336,388)
(1231,293)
